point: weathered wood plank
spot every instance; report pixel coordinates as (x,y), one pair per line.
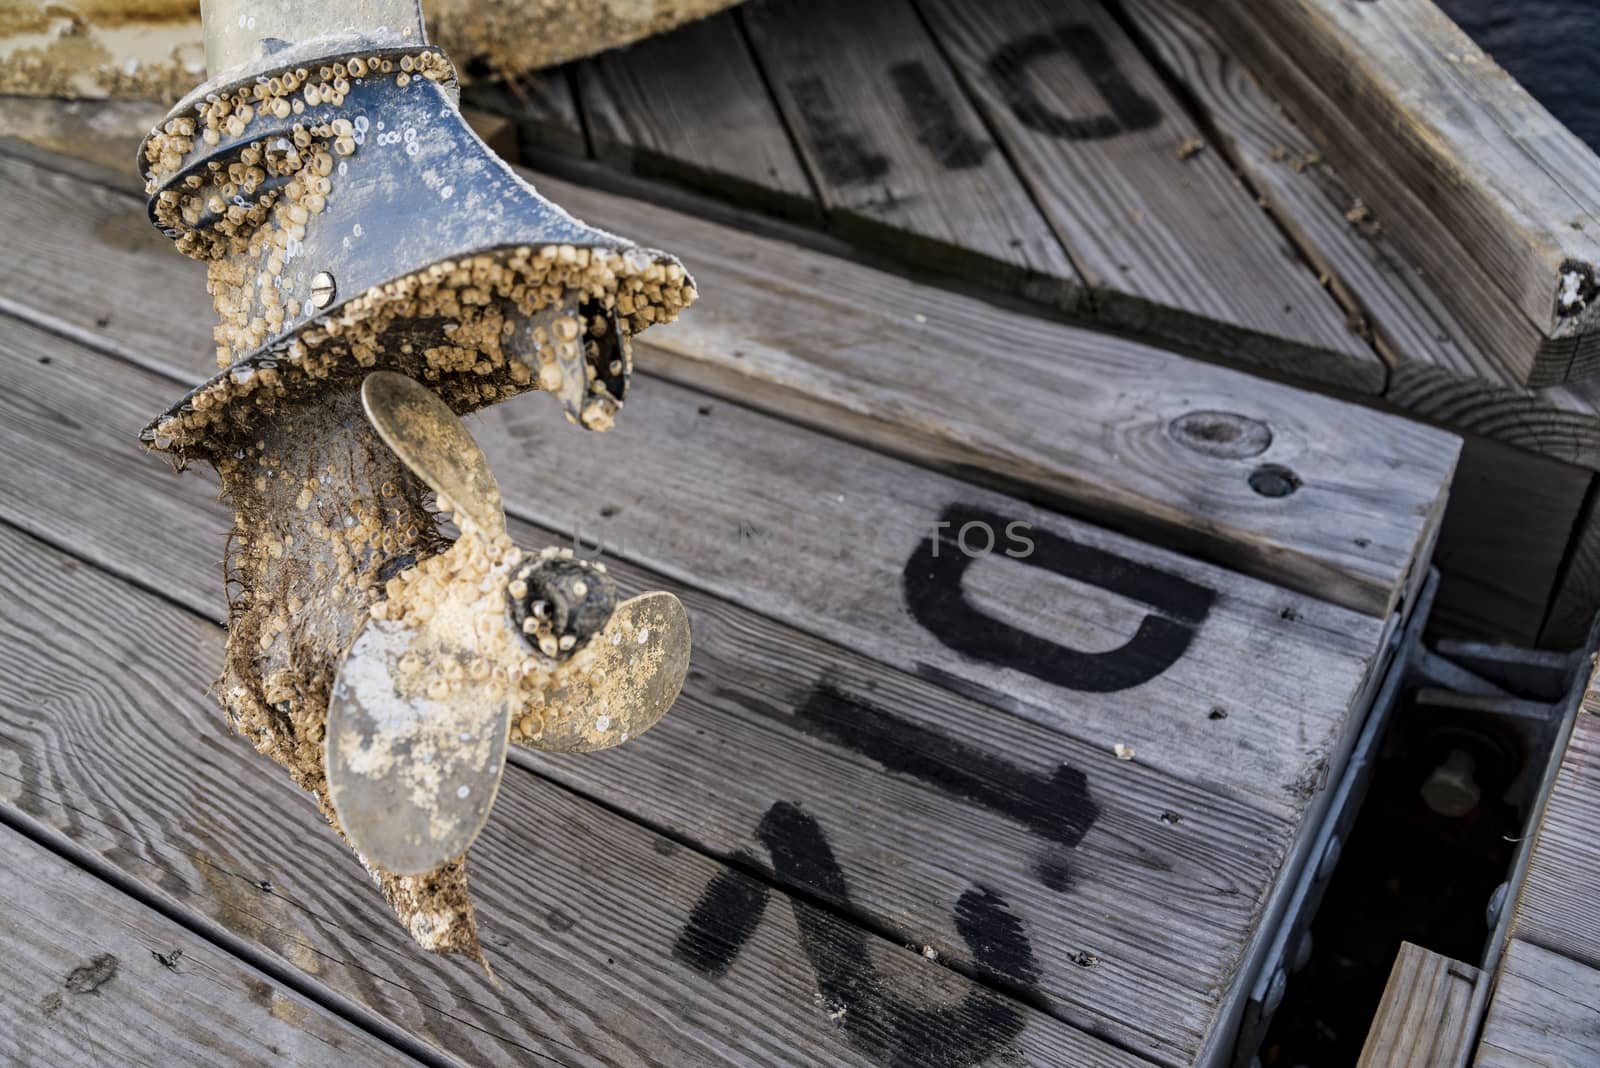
(541,106)
(1058,412)
(1503,539)
(1559,907)
(690,106)
(106,733)
(1546,1011)
(1064,415)
(105,132)
(838,541)
(1477,182)
(1091,855)
(1438,371)
(1423,1020)
(1169,242)
(1061,414)
(898,154)
(95,977)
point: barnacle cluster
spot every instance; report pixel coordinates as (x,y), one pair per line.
(469,361)
(247,211)
(324,514)
(228,113)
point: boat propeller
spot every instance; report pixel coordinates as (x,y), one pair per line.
(479,637)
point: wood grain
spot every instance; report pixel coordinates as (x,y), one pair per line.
(1476,181)
(1063,415)
(690,106)
(899,156)
(830,538)
(95,977)
(1170,247)
(1162,882)
(1438,370)
(1545,1012)
(105,132)
(1424,1019)
(1056,413)
(1559,908)
(107,735)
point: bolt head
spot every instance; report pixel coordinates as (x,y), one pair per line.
(322,289)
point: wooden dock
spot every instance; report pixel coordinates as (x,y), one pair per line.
(840,749)
(918,804)
(1182,205)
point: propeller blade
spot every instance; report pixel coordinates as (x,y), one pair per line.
(415,746)
(622,682)
(434,443)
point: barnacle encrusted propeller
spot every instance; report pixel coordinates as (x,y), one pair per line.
(471,640)
(352,224)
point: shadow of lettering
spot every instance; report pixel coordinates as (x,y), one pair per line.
(938,128)
(841,153)
(1129,109)
(931,583)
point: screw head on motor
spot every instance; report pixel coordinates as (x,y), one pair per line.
(559,602)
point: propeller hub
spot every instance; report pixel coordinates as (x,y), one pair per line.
(559,602)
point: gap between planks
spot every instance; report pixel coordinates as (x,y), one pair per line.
(78,875)
(1437,370)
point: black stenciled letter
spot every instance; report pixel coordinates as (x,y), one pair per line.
(722,922)
(841,154)
(938,128)
(1057,807)
(881,1025)
(1129,109)
(932,586)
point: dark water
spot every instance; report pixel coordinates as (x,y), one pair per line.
(1551,46)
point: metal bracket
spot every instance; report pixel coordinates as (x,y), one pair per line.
(1540,689)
